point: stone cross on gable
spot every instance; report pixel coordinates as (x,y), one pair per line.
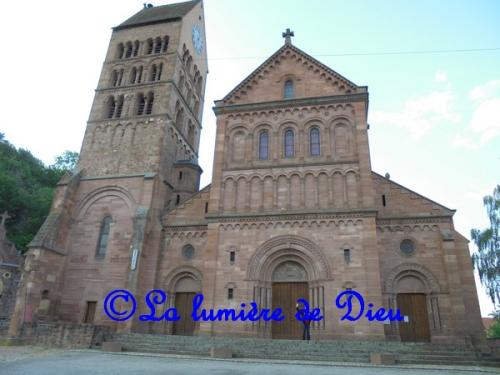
(4,217)
(287,35)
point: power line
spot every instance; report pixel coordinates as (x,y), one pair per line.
(421,52)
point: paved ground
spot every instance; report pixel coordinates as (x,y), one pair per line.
(33,360)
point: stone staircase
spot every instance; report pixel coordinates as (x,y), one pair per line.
(333,351)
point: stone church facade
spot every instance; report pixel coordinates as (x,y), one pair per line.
(294,209)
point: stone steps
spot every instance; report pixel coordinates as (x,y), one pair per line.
(333,351)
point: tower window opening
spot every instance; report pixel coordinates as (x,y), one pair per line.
(119,107)
(232,256)
(347,256)
(384,203)
(165,44)
(149,106)
(157,45)
(141,102)
(149,46)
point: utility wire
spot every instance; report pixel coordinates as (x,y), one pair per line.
(421,52)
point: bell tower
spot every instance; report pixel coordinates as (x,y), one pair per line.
(147,108)
(139,158)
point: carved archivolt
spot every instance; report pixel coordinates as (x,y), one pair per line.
(285,248)
(179,273)
(411,269)
(112,191)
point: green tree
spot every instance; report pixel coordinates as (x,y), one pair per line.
(67,161)
(26,191)
(487,259)
(494,331)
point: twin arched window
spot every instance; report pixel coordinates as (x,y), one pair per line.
(102,245)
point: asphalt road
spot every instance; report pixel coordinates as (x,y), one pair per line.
(93,362)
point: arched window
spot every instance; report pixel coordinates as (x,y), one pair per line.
(149,44)
(133,75)
(128,52)
(149,106)
(114,78)
(119,107)
(264,145)
(141,103)
(188,64)
(288,92)
(154,72)
(314,142)
(102,245)
(139,75)
(289,143)
(158,75)
(120,51)
(120,77)
(136,48)
(158,45)
(165,44)
(111,106)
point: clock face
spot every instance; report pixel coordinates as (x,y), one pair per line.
(197,39)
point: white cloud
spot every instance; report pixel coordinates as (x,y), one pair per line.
(485,91)
(419,115)
(461,141)
(440,76)
(485,121)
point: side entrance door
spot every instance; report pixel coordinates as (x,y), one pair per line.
(414,306)
(285,295)
(184,306)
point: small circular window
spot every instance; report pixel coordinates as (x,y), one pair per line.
(407,247)
(7,275)
(188,251)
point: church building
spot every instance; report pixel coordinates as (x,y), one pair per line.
(294,209)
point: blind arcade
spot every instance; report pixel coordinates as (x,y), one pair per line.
(350,302)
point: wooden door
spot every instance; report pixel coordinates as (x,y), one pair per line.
(285,296)
(415,307)
(184,306)
(90,312)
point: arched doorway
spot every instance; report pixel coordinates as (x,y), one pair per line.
(185,290)
(289,283)
(412,302)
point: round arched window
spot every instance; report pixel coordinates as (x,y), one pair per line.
(188,251)
(407,247)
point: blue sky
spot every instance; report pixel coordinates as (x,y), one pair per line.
(435,117)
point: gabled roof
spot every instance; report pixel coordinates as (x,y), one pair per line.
(163,13)
(288,47)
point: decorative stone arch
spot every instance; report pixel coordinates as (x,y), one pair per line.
(172,279)
(288,247)
(413,270)
(105,192)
